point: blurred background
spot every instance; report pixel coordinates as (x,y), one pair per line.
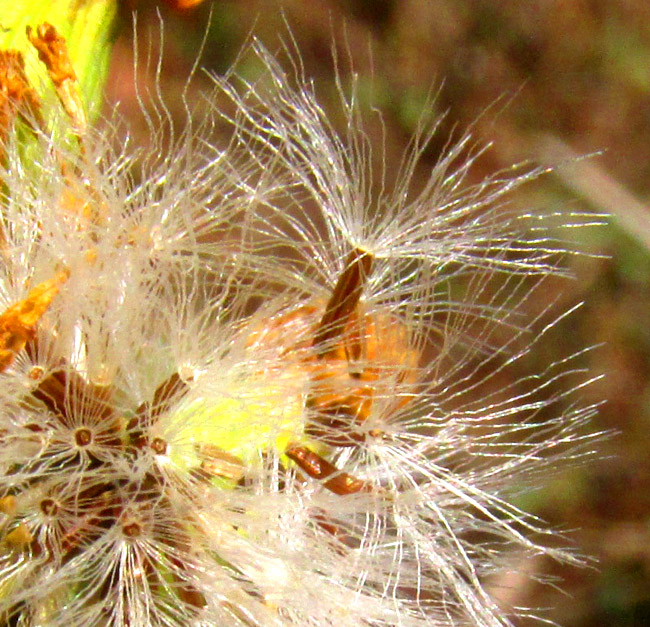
(543,82)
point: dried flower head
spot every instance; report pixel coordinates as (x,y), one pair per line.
(243,384)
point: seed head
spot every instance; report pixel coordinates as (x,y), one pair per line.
(242,384)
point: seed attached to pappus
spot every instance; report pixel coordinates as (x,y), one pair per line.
(217,435)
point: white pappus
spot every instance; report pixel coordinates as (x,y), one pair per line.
(247,384)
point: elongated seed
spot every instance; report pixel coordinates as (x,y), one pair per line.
(344,300)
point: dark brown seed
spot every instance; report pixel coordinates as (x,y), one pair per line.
(318,467)
(49,507)
(83,436)
(344,300)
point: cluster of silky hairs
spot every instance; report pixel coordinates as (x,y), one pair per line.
(245,383)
